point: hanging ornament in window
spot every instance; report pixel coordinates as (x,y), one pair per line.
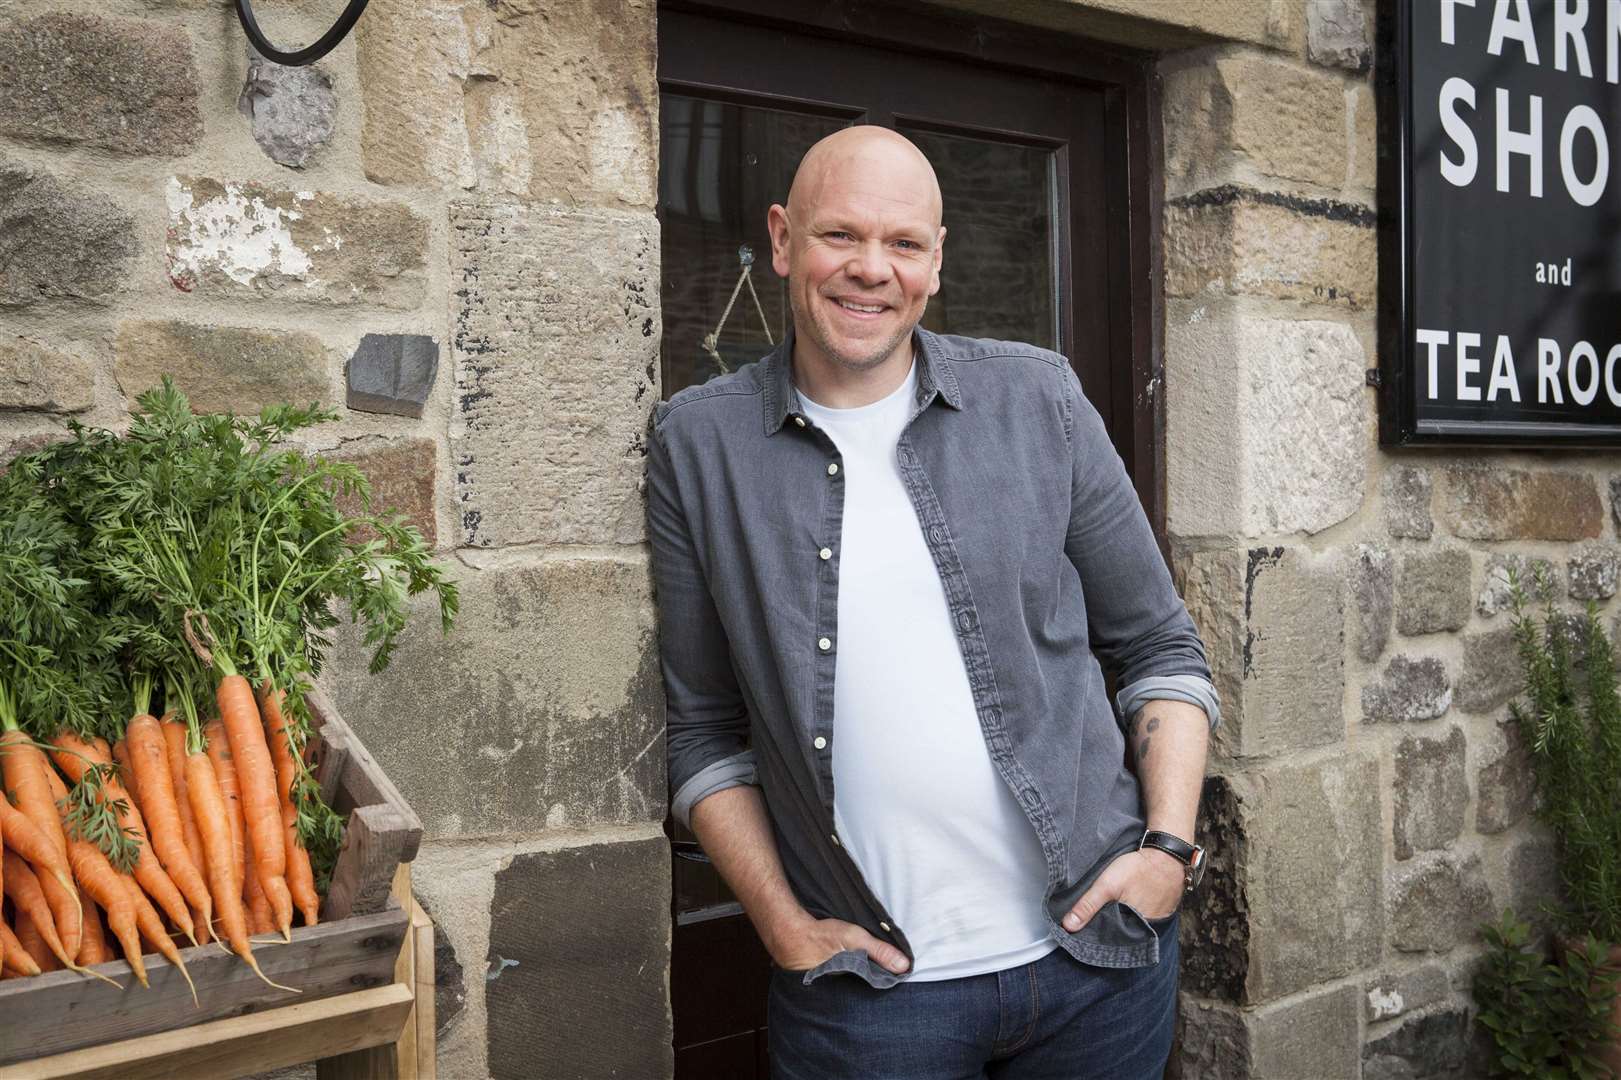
(711,342)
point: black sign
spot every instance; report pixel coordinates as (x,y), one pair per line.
(1500,199)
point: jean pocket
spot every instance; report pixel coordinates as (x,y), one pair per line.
(1157,926)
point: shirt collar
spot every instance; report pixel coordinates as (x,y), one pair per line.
(781,398)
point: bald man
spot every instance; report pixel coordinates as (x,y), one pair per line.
(891,567)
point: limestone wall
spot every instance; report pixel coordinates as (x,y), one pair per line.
(474,183)
(1369,807)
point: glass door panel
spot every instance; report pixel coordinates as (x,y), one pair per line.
(999,277)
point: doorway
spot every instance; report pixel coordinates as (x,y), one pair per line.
(1047,153)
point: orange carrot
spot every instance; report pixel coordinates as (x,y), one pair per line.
(29,900)
(149,762)
(126,775)
(174,742)
(29,841)
(261,920)
(93,950)
(261,813)
(105,886)
(219,753)
(70,756)
(209,807)
(33,943)
(17,958)
(24,768)
(300,874)
(151,927)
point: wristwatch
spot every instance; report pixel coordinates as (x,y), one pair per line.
(1191,856)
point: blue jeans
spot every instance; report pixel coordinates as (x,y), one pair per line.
(1054,1019)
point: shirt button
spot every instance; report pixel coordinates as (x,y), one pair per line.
(800,420)
(884,927)
(824,643)
(835,839)
(826,553)
(820,743)
(832,468)
(936,533)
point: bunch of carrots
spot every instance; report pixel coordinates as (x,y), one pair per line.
(194,560)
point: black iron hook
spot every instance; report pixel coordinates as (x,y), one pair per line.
(310,53)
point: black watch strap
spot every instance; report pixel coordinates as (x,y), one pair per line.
(1170,844)
(1190,855)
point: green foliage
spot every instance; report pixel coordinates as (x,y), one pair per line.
(1547,1020)
(191,547)
(91,813)
(1572,724)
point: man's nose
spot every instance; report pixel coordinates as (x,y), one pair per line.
(868,264)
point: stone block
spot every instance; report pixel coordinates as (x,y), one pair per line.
(1406,494)
(1396,993)
(580,954)
(1409,690)
(235,238)
(1272,621)
(1593,572)
(59,241)
(34,376)
(1506,788)
(1433,591)
(27,445)
(1313,1036)
(404,479)
(1215,926)
(291,109)
(544,709)
(1486,503)
(392,373)
(1503,571)
(550,104)
(1364,137)
(1373,587)
(555,345)
(1432,793)
(223,368)
(1432,1045)
(124,85)
(1491,671)
(1533,881)
(1299,895)
(1615,500)
(1235,240)
(1338,34)
(1271,416)
(1281,119)
(1437,902)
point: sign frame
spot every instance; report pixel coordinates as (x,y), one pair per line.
(1399,358)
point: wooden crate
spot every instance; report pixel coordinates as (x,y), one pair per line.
(356,947)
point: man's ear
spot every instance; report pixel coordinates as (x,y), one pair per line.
(939,257)
(776,223)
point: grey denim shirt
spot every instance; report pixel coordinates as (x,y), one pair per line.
(1050,570)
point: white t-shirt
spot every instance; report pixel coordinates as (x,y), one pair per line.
(917,802)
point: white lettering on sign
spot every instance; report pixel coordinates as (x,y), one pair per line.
(1577,370)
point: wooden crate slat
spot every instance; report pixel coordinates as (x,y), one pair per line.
(239,1046)
(364,875)
(42,1013)
(363,778)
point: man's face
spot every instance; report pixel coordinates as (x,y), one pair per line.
(861,250)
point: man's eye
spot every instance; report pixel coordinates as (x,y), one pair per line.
(838,236)
(912,244)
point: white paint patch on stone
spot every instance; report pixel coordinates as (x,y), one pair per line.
(236,233)
(502,139)
(1384,1003)
(619,157)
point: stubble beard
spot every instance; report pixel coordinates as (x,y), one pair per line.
(823,337)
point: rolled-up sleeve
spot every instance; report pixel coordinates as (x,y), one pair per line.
(1137,624)
(706,720)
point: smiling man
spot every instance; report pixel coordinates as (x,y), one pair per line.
(891,566)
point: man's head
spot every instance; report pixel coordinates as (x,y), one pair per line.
(860,244)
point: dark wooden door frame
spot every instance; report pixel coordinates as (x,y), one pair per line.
(1131,89)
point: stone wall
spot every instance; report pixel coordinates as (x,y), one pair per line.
(1369,805)
(445,229)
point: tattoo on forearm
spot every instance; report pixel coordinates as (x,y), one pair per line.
(1141,732)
